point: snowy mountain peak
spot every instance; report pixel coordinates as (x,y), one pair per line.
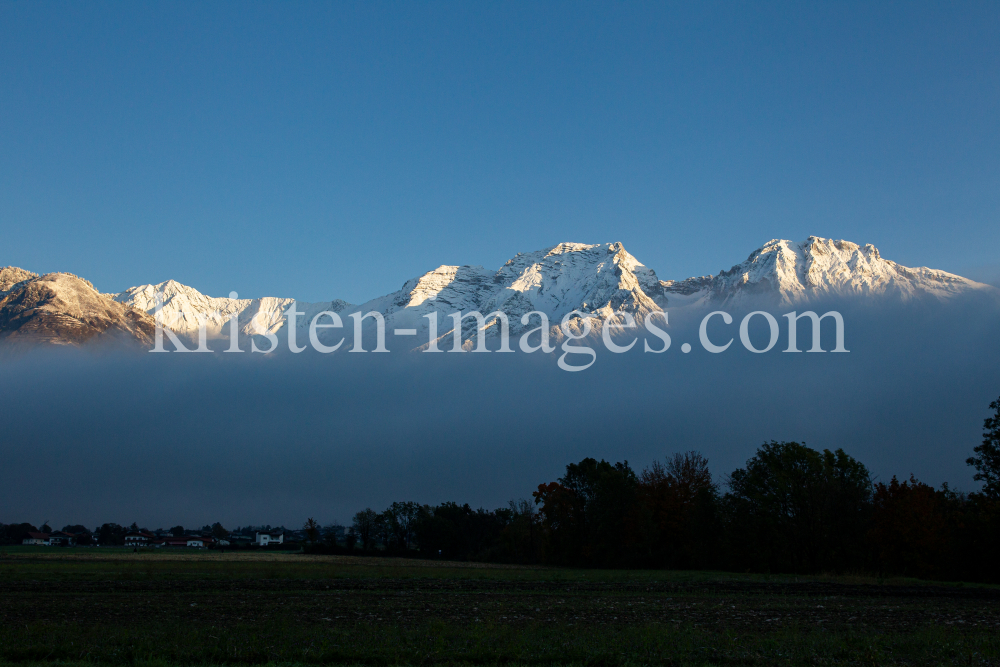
(576,276)
(792,272)
(451,285)
(591,278)
(184,307)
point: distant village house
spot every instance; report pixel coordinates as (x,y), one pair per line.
(62,539)
(275,537)
(139,538)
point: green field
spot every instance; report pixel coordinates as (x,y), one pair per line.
(108,606)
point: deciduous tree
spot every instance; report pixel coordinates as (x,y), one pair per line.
(311,529)
(794,509)
(987,459)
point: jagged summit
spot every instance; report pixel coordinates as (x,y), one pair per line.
(596,278)
(183,308)
(575,276)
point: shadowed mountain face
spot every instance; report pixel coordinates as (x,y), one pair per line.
(62,309)
(603,280)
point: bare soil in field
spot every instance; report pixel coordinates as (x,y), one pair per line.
(746,605)
(115,607)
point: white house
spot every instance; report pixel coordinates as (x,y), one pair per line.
(41,539)
(61,539)
(138,538)
(263,539)
(183,541)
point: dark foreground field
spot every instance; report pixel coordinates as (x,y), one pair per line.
(109,607)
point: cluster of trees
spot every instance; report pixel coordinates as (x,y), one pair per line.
(451,531)
(790,509)
(14,533)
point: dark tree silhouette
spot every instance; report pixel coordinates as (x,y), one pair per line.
(450,530)
(592,515)
(987,461)
(794,509)
(111,534)
(311,529)
(399,520)
(682,504)
(16,532)
(365,526)
(908,531)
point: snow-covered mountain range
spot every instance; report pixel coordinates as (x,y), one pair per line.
(601,279)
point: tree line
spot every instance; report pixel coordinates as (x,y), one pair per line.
(790,509)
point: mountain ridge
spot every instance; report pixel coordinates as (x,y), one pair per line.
(603,280)
(820,267)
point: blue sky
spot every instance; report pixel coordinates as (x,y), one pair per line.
(337,149)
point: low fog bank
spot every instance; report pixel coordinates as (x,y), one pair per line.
(193,439)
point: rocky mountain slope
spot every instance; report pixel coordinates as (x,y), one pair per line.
(11,277)
(63,309)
